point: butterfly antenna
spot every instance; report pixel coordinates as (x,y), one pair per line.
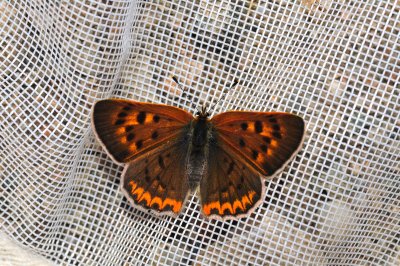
(184,94)
(236,82)
(177,83)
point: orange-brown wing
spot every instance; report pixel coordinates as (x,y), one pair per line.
(157,181)
(231,189)
(265,140)
(128,129)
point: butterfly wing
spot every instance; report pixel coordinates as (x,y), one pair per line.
(156,181)
(128,129)
(232,188)
(265,140)
(152,140)
(242,146)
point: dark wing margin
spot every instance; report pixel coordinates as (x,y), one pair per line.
(128,129)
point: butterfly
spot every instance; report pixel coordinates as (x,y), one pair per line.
(168,152)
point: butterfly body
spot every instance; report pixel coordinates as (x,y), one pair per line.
(198,149)
(168,152)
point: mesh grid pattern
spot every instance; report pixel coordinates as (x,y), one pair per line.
(335,63)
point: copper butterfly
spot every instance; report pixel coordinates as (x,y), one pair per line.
(168,151)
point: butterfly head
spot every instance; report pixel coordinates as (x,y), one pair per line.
(202,113)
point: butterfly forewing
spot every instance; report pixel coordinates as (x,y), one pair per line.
(128,129)
(265,140)
(232,188)
(157,180)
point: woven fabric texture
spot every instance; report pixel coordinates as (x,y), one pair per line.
(335,63)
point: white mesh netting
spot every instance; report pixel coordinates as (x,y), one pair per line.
(335,63)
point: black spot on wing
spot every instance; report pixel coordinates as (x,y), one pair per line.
(167,208)
(156,118)
(242,143)
(244,126)
(128,128)
(122,114)
(139,144)
(126,108)
(141,117)
(154,135)
(227,212)
(276,127)
(134,196)
(119,122)
(277,135)
(254,154)
(238,210)
(155,205)
(267,140)
(214,211)
(264,148)
(258,127)
(130,137)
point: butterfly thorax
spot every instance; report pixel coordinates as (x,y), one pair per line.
(200,132)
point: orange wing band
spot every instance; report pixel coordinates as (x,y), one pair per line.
(144,198)
(228,208)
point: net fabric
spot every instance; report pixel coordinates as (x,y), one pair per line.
(336,63)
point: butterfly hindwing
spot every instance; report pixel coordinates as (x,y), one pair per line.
(128,129)
(232,188)
(155,181)
(265,140)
